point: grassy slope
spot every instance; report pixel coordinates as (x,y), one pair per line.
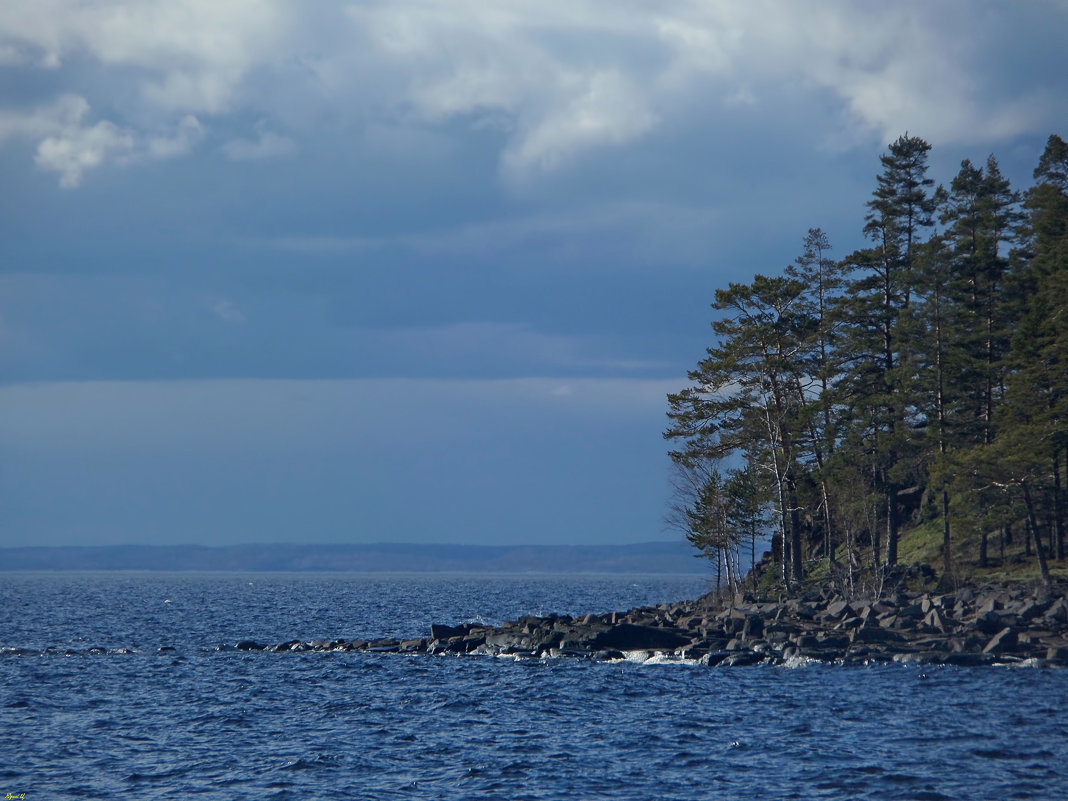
(922,545)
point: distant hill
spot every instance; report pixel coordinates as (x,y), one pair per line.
(641,558)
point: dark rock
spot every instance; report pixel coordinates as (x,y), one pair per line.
(1004,640)
(934,620)
(452,645)
(836,641)
(439,632)
(988,605)
(753,628)
(629,637)
(713,658)
(742,659)
(989,622)
(248,645)
(383,646)
(573,646)
(806,642)
(545,639)
(1058,655)
(508,639)
(911,612)
(836,610)
(873,635)
(1057,611)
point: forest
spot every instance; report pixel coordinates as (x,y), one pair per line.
(920,381)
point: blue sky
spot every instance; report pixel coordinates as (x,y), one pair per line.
(424,270)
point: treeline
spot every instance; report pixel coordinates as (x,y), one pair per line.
(923,377)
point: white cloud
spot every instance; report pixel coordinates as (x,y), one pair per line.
(557,80)
(568,76)
(69,145)
(608,111)
(67,111)
(195,52)
(80,149)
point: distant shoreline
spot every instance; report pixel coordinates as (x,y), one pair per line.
(649,558)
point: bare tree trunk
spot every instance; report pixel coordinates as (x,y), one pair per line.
(796,566)
(1043,568)
(891,526)
(1059,507)
(947,551)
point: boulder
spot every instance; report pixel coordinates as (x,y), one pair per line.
(742,659)
(988,605)
(872,635)
(383,646)
(837,610)
(713,658)
(1057,655)
(1004,640)
(934,621)
(439,632)
(753,628)
(629,637)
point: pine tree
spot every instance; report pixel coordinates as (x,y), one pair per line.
(744,393)
(816,368)
(981,212)
(881,321)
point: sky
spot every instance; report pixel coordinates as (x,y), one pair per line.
(425,270)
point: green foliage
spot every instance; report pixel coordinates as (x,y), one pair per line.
(914,392)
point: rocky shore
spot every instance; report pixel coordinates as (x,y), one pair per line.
(968,627)
(993,626)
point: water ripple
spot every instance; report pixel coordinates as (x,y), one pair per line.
(227,724)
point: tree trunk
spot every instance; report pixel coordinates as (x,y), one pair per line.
(891,527)
(947,554)
(1043,568)
(796,566)
(1056,546)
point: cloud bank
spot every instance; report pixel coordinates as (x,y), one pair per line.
(557,82)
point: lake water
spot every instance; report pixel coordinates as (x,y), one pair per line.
(199,722)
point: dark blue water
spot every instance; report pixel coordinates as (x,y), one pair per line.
(226,724)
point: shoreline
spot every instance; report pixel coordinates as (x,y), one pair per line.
(969,627)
